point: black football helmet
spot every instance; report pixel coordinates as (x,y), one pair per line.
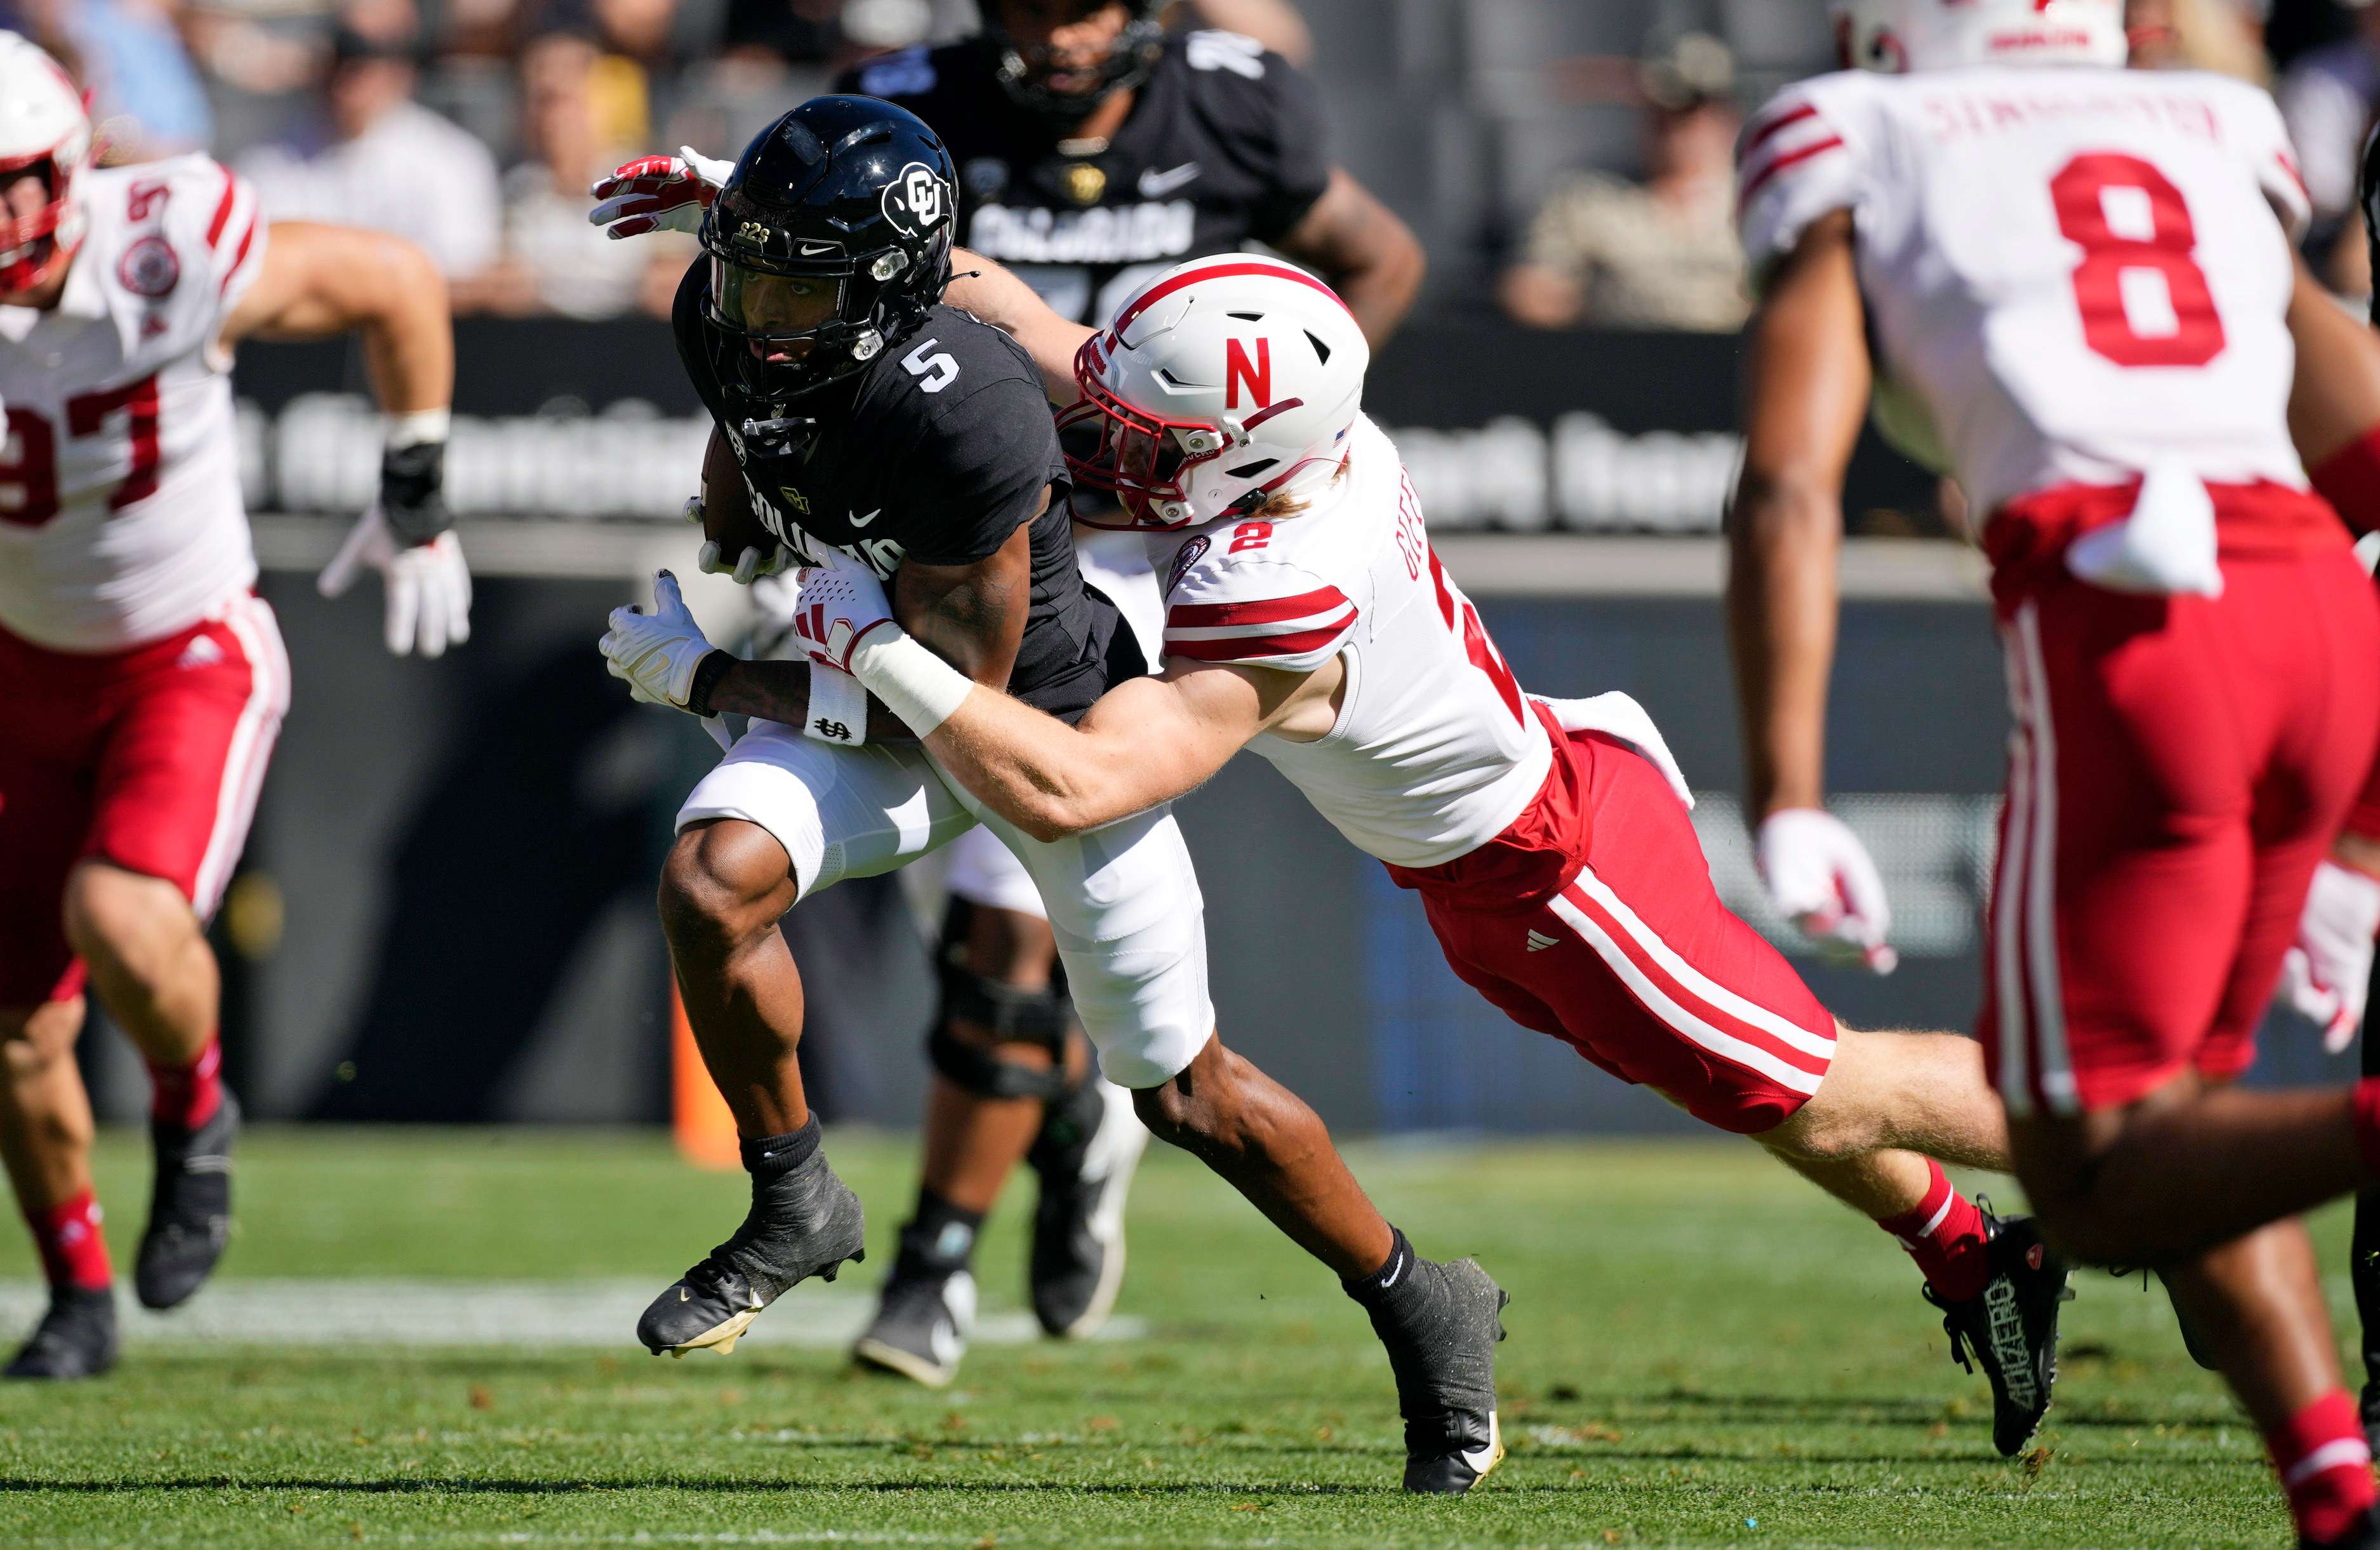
(827,245)
(1024,71)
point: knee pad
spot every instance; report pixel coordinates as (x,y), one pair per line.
(1010,1016)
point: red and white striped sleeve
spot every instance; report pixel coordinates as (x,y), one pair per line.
(1264,615)
(1798,159)
(2253,122)
(220,230)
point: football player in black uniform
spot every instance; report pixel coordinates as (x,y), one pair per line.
(873,424)
(1095,150)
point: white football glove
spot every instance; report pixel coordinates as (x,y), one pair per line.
(834,604)
(1822,878)
(657,652)
(658,193)
(428,585)
(746,567)
(2327,973)
(1618,715)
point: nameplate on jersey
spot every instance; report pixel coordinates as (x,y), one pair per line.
(1111,234)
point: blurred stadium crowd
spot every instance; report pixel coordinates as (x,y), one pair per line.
(1570,159)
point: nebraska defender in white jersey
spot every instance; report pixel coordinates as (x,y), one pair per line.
(142,683)
(1434,750)
(1549,841)
(2082,279)
(120,512)
(2075,275)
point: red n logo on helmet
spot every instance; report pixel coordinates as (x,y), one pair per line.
(1238,369)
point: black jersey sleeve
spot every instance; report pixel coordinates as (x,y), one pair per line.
(1293,140)
(2367,198)
(977,473)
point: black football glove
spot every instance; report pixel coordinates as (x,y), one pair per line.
(412,497)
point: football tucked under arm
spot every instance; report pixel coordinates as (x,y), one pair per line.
(735,540)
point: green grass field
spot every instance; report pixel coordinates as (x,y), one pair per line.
(1703,1351)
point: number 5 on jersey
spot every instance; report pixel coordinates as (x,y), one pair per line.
(934,371)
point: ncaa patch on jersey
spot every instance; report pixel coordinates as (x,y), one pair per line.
(917,201)
(148,268)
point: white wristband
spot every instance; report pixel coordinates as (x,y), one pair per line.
(838,708)
(421,425)
(915,684)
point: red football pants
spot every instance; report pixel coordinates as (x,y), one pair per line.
(1637,965)
(2179,767)
(149,758)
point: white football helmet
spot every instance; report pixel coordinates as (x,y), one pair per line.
(1894,36)
(1224,381)
(45,128)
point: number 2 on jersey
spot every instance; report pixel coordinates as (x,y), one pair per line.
(2144,300)
(1463,621)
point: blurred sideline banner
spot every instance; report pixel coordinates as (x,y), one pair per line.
(446,913)
(1502,427)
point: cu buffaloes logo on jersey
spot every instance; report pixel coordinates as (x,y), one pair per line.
(917,201)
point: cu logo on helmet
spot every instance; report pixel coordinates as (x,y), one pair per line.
(914,201)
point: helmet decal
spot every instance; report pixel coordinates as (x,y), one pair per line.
(1239,370)
(917,200)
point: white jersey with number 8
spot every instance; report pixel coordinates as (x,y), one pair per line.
(2073,274)
(120,514)
(1436,750)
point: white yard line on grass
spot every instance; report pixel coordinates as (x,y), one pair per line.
(399,1312)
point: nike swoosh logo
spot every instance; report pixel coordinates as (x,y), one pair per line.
(859,522)
(1157,185)
(812,250)
(1393,1276)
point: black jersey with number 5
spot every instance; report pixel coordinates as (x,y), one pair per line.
(1224,144)
(936,452)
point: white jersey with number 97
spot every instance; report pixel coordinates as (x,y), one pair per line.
(2073,274)
(120,514)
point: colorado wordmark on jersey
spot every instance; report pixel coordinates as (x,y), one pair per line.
(2073,275)
(120,513)
(1224,144)
(1435,751)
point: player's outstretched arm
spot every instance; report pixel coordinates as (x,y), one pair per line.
(1806,394)
(2335,402)
(320,280)
(1000,299)
(1147,742)
(1370,257)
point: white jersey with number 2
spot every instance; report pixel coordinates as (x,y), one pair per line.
(2072,274)
(1435,751)
(120,514)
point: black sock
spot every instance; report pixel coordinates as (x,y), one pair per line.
(1377,1288)
(941,1238)
(772,1158)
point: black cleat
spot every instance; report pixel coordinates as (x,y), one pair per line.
(1442,1348)
(2198,1353)
(2363,1534)
(921,1326)
(1090,1142)
(189,1208)
(2369,1407)
(2012,1327)
(75,1340)
(802,1224)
